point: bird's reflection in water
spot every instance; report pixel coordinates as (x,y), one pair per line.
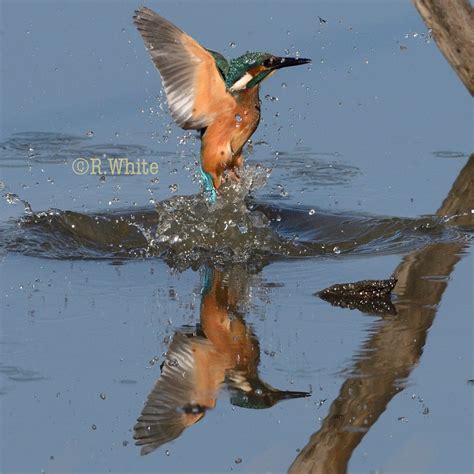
(222,350)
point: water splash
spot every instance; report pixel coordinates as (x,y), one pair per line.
(12,198)
(188,232)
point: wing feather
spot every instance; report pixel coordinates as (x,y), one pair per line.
(162,418)
(193,85)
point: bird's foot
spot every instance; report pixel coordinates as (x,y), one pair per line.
(208,185)
(232,174)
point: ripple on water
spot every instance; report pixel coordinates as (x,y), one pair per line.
(315,168)
(23,149)
(449,154)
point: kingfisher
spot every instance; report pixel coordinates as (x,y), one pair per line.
(208,93)
(222,351)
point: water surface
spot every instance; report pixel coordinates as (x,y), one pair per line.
(132,312)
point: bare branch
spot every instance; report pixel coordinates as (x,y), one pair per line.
(452,25)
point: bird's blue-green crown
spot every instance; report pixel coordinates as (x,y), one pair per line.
(239,66)
(235,69)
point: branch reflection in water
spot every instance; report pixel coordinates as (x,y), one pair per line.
(384,363)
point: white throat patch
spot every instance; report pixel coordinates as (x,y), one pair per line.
(242,82)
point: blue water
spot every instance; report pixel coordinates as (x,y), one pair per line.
(371,137)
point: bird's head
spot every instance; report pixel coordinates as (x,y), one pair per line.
(249,70)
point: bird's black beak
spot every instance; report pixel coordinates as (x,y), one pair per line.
(284,395)
(279,63)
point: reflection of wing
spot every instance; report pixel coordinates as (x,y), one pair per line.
(166,413)
(193,84)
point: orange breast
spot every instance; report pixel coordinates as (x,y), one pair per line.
(246,118)
(226,136)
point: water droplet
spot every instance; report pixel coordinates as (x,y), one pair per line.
(113,201)
(124,442)
(284,85)
(238,119)
(102,396)
(312,212)
(175,239)
(232,44)
(172,362)
(11,198)
(94,427)
(90,133)
(243,229)
(167,452)
(238,461)
(336,250)
(173,187)
(271,98)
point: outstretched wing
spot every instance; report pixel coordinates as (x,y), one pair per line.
(193,85)
(164,415)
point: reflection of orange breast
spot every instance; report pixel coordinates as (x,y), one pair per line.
(228,345)
(209,374)
(230,337)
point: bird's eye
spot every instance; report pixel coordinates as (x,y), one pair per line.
(268,62)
